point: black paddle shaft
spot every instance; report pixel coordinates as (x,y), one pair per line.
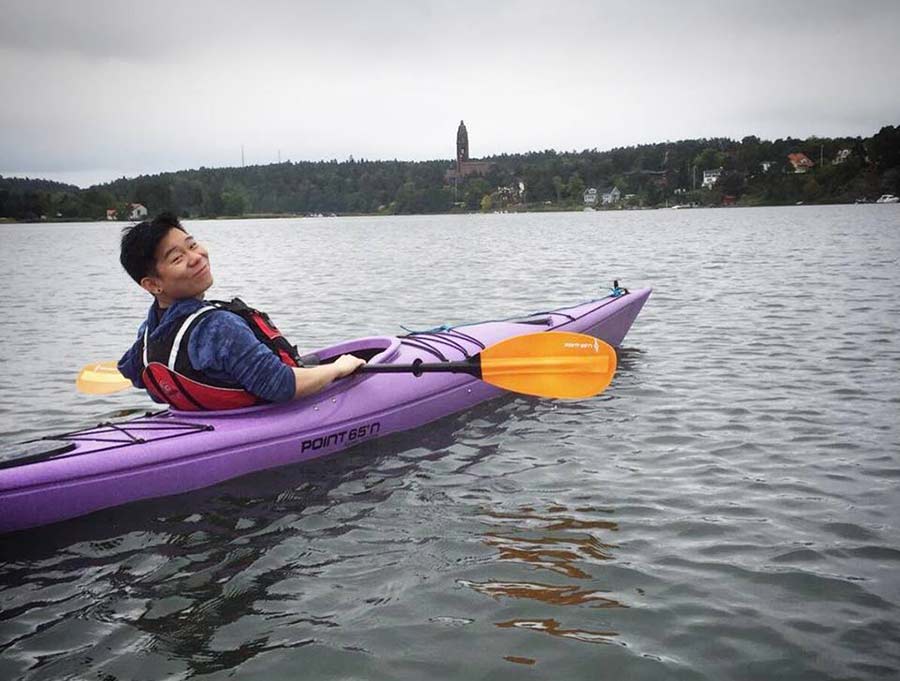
(471,366)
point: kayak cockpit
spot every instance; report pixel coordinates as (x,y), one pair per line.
(375,350)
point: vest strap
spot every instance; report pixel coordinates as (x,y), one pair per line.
(176,344)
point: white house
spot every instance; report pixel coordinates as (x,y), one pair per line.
(765,165)
(710,177)
(138,211)
(611,196)
(841,157)
(590,196)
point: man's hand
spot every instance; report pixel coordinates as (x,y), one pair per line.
(347,364)
(308,381)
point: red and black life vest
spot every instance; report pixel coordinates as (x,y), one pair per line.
(168,375)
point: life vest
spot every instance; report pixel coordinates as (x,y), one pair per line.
(168,375)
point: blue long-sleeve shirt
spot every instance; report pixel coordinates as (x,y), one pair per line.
(221,346)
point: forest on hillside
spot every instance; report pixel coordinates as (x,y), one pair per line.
(753,172)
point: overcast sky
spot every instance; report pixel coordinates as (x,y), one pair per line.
(93,90)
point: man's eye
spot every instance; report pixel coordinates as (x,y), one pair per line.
(194,245)
(176,260)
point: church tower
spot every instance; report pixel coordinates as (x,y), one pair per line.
(462,146)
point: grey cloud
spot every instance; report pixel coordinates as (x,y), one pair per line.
(105,85)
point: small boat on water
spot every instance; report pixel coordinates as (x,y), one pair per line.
(887,198)
(170,452)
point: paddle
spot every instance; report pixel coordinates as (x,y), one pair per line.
(101,378)
(549,364)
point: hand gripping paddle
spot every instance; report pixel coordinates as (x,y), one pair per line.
(549,364)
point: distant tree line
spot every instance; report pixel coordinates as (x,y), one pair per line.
(754,172)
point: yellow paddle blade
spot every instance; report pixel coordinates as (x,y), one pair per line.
(101,378)
(550,364)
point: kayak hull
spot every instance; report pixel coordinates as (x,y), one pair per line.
(173,452)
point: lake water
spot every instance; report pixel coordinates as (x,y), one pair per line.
(728,509)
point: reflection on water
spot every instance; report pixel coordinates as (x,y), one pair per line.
(519,660)
(548,593)
(551,626)
(554,548)
(560,540)
(529,516)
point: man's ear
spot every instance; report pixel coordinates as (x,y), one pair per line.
(151,285)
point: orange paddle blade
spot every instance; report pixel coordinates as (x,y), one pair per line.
(101,378)
(550,364)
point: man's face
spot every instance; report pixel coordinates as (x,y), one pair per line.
(182,268)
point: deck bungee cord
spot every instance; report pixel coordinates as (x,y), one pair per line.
(439,334)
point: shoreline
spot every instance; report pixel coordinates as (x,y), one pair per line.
(542,209)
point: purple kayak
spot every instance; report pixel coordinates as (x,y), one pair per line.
(73,474)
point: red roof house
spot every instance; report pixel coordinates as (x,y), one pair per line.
(801,162)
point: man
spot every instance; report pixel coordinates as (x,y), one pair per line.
(199,355)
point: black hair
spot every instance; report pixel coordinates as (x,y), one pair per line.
(139,242)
